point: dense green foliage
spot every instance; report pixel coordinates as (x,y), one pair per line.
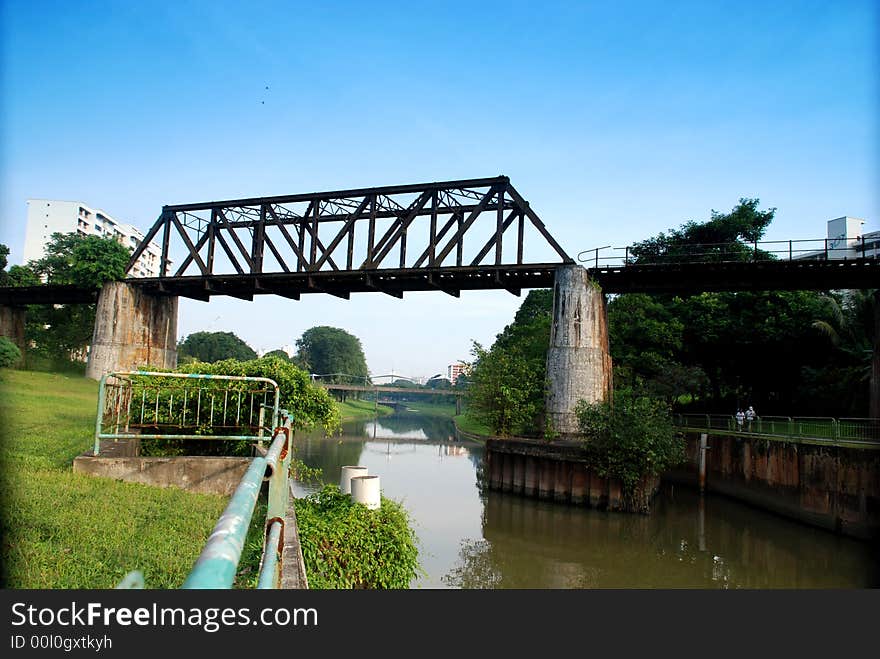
(630,439)
(785,352)
(347,545)
(278,353)
(719,238)
(9,353)
(506,384)
(332,351)
(213,347)
(311,406)
(62,332)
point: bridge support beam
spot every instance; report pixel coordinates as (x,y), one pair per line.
(12,325)
(578,361)
(133,329)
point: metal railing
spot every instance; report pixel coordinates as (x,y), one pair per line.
(155,405)
(186,406)
(814,429)
(217,565)
(761,250)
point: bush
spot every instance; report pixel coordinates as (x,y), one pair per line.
(9,353)
(309,405)
(347,545)
(631,439)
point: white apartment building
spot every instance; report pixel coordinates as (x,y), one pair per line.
(48,216)
(846,240)
(455,370)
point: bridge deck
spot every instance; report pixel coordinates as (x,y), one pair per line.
(383,389)
(678,278)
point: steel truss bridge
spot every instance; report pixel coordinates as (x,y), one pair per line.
(447,236)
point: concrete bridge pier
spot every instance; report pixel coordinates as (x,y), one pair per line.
(12,325)
(133,329)
(578,360)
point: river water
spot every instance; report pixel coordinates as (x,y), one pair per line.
(473,538)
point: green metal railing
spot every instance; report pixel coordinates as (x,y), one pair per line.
(151,405)
(827,430)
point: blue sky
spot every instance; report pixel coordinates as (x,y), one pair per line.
(615,120)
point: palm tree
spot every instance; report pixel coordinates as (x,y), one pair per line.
(855,331)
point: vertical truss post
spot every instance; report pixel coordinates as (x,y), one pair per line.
(519,238)
(432,244)
(459,248)
(371,238)
(166,237)
(258,244)
(499,225)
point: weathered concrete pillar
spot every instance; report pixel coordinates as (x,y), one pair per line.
(12,325)
(132,329)
(578,361)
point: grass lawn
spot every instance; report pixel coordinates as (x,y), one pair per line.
(65,530)
(471,426)
(352,410)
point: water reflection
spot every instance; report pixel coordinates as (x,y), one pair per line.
(687,542)
(474,539)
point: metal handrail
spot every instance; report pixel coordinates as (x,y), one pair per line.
(815,429)
(125,422)
(217,564)
(757,250)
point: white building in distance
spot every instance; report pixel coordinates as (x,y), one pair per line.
(48,216)
(846,240)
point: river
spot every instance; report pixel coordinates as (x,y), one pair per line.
(473,538)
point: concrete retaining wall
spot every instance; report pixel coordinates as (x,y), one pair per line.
(558,471)
(832,487)
(120,461)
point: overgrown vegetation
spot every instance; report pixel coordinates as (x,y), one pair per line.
(9,353)
(62,332)
(631,439)
(506,390)
(310,405)
(346,545)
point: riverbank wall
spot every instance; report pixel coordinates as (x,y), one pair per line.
(834,487)
(558,471)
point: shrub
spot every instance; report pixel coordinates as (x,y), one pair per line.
(631,439)
(9,353)
(347,545)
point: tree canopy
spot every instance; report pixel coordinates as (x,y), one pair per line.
(721,236)
(212,347)
(332,351)
(64,331)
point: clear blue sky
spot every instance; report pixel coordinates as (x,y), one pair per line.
(615,120)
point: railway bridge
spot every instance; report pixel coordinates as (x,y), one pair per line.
(448,237)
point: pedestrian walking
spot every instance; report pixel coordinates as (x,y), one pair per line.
(740,417)
(750,416)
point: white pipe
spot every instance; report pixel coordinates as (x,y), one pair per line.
(365,490)
(348,473)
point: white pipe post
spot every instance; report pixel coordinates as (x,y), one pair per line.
(365,490)
(349,472)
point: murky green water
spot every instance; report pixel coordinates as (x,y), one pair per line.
(474,539)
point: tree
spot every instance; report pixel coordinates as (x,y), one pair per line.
(506,384)
(280,354)
(332,351)
(720,238)
(64,331)
(213,347)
